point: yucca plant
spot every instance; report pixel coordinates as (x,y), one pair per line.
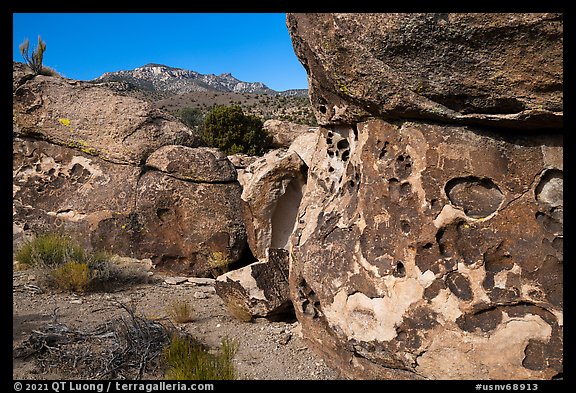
(34,60)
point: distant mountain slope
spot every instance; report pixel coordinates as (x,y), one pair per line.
(163,79)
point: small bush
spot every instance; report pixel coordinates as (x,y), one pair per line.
(218,262)
(62,263)
(187,359)
(230,130)
(192,117)
(71,276)
(181,312)
(49,250)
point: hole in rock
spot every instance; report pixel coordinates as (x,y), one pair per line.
(550,189)
(163,214)
(400,270)
(383,151)
(345,155)
(478,197)
(342,144)
(405,226)
(285,214)
(309,302)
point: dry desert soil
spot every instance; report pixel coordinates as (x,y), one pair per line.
(267,350)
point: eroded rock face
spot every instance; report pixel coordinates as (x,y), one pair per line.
(272,190)
(429,251)
(59,188)
(178,224)
(429,242)
(100,167)
(491,69)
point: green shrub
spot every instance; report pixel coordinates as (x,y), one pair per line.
(230,130)
(192,117)
(187,359)
(49,250)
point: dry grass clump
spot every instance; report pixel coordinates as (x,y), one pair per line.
(181,312)
(71,276)
(187,359)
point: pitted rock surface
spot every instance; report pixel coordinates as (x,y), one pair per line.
(102,167)
(418,240)
(430,236)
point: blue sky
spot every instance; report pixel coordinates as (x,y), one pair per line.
(252,47)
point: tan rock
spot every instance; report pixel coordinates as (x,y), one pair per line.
(202,164)
(284,132)
(272,190)
(491,69)
(404,254)
(259,290)
(92,118)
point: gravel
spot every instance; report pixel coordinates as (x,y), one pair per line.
(268,350)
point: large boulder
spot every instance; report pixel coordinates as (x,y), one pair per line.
(187,211)
(284,132)
(200,165)
(425,248)
(124,188)
(92,118)
(490,69)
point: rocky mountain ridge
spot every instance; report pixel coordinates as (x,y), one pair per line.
(172,80)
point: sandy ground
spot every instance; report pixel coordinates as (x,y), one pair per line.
(267,350)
